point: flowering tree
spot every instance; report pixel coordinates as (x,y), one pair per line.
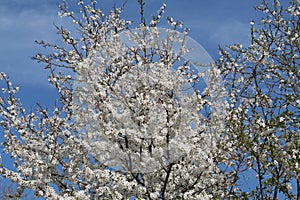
(130,120)
(263,124)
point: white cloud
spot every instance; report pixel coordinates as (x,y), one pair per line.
(18,30)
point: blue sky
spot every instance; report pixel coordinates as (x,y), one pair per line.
(212,23)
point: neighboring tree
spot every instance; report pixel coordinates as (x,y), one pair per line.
(130,120)
(263,125)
